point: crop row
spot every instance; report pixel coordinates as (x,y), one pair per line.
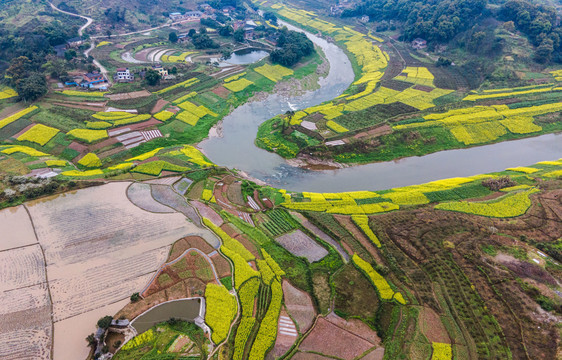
(363,222)
(268,326)
(242,271)
(238,85)
(90,160)
(229,242)
(144,338)
(510,205)
(220,311)
(10,119)
(87,135)
(186,83)
(441,351)
(381,285)
(39,134)
(273,72)
(156,167)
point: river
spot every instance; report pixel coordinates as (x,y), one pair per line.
(236,148)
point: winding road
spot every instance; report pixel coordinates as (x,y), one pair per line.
(89,22)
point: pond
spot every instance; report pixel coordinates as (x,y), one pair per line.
(236,148)
(184,309)
(246,56)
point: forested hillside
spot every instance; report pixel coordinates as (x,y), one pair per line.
(444,21)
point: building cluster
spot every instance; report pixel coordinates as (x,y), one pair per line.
(91,80)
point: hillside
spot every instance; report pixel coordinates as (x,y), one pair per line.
(118,14)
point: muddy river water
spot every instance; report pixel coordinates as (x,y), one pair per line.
(235,147)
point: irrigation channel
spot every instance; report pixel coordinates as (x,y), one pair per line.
(236,148)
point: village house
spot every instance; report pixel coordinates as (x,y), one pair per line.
(91,79)
(175,16)
(228,10)
(188,16)
(206,8)
(74,42)
(419,43)
(123,75)
(163,72)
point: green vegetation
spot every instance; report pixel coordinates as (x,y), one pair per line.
(168,340)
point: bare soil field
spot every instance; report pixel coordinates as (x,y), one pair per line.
(159,105)
(309,356)
(299,305)
(166,195)
(432,327)
(99,249)
(16,218)
(356,327)
(131,95)
(322,235)
(285,339)
(140,195)
(300,244)
(189,242)
(329,339)
(207,212)
(25,307)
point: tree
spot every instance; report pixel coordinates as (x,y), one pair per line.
(152,77)
(174,70)
(292,46)
(270,17)
(173,37)
(544,51)
(91,339)
(203,41)
(442,62)
(191,32)
(105,322)
(239,35)
(135,297)
(108,33)
(226,53)
(69,54)
(32,87)
(19,68)
(55,67)
(226,31)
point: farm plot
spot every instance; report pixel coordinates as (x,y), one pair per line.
(166,195)
(329,339)
(25,321)
(139,194)
(16,218)
(300,244)
(299,305)
(100,249)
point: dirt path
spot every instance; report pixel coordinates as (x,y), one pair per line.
(89,21)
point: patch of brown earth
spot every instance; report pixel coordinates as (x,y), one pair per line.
(299,305)
(285,339)
(221,91)
(432,327)
(356,327)
(329,339)
(159,106)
